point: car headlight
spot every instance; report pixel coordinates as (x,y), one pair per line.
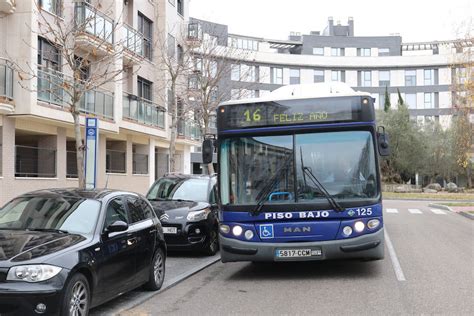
(196,216)
(32,273)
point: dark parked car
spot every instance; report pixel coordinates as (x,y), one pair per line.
(187,208)
(63,251)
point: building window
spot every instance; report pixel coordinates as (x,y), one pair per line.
(384,52)
(365,78)
(181,7)
(462,75)
(336,51)
(410,78)
(428,101)
(338,75)
(213,69)
(242,72)
(319,51)
(363,52)
(52,6)
(193,83)
(410,100)
(382,100)
(276,75)
(235,72)
(145,89)
(48,55)
(145,26)
(243,43)
(428,75)
(294,76)
(318,75)
(384,78)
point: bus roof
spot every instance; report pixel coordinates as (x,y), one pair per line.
(304,91)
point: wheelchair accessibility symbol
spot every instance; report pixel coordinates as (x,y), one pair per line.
(266,231)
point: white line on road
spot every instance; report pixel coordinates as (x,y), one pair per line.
(436,211)
(415,211)
(393,257)
(391,210)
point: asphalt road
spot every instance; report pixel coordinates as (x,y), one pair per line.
(431,271)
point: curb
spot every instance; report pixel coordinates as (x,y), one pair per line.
(447,208)
(166,285)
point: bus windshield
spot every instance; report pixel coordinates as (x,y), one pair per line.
(343,162)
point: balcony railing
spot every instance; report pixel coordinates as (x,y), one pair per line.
(189,130)
(94,22)
(6,79)
(134,41)
(35,162)
(50,89)
(143,111)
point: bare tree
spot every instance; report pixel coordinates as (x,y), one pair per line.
(215,65)
(79,56)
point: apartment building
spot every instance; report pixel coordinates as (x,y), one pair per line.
(37,148)
(423,72)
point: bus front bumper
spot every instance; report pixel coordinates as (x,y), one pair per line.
(366,247)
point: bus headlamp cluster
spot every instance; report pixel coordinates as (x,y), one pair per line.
(359,227)
(236,231)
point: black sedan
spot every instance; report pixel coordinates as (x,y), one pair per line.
(63,251)
(187,208)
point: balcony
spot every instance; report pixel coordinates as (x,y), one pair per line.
(6,87)
(194,37)
(7,6)
(143,111)
(188,130)
(97,28)
(50,89)
(134,45)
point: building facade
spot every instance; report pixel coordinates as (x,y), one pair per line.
(37,147)
(424,73)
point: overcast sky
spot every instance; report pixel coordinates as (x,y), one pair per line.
(414,20)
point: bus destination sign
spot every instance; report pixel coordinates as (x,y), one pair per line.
(282,113)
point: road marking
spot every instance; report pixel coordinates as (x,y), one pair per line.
(438,212)
(393,256)
(415,211)
(391,210)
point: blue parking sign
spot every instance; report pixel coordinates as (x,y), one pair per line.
(266,231)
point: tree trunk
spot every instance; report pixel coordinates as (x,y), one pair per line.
(173,127)
(79,151)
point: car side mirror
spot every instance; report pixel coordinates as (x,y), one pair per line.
(117,226)
(207,150)
(382,142)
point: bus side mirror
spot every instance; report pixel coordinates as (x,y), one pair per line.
(207,150)
(382,142)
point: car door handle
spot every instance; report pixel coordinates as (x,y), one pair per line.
(131,241)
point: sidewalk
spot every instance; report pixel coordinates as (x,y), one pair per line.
(466,211)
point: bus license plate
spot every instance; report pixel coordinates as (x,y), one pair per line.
(293,253)
(170,230)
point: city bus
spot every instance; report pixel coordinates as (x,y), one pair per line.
(299,176)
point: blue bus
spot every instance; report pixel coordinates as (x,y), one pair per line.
(298,175)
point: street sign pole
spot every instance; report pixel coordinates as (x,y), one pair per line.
(92,137)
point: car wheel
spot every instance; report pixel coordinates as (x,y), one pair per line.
(157,271)
(77,297)
(212,244)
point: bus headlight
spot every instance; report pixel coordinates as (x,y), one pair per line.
(224,228)
(237,231)
(359,226)
(373,223)
(347,231)
(248,234)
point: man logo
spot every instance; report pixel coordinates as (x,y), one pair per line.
(304,229)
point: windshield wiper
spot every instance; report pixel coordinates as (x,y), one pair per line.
(51,230)
(307,171)
(268,187)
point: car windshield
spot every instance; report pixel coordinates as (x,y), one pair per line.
(343,163)
(180,189)
(71,214)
